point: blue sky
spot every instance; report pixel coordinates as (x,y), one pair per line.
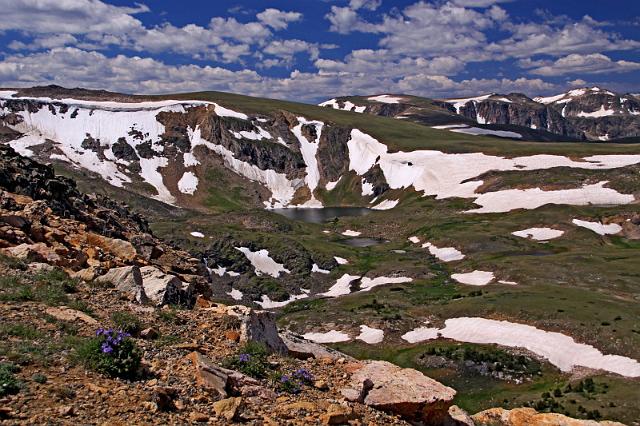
(311,50)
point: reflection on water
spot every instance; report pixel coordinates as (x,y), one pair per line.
(361,242)
(322,215)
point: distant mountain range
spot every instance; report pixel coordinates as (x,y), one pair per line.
(587,114)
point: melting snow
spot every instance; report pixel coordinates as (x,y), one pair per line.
(478,131)
(539,234)
(446,254)
(414,239)
(385,205)
(560,349)
(197,234)
(309,151)
(332,336)
(253,135)
(341,287)
(332,185)
(478,278)
(367,188)
(341,260)
(350,233)
(22,144)
(367,283)
(598,227)
(188,183)
(235,294)
(263,263)
(316,268)
(385,99)
(512,199)
(602,112)
(267,303)
(370,335)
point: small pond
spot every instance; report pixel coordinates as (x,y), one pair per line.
(322,215)
(362,242)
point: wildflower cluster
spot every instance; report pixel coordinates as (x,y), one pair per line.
(111,352)
(112,339)
(294,382)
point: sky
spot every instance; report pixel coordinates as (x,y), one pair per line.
(313,50)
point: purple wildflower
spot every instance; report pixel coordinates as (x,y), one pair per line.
(244,357)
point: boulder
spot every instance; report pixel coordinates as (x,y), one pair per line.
(530,417)
(227,408)
(71,315)
(402,391)
(161,288)
(37,252)
(121,249)
(298,347)
(338,415)
(127,279)
(459,417)
(255,326)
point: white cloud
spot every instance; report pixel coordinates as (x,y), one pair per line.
(68,16)
(277,19)
(479,3)
(365,4)
(595,63)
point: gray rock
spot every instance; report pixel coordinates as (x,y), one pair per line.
(127,279)
(161,288)
(298,347)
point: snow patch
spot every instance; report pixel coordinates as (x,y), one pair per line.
(263,263)
(559,349)
(188,183)
(539,234)
(341,260)
(414,239)
(370,335)
(385,99)
(309,151)
(341,287)
(478,131)
(197,234)
(386,205)
(332,185)
(350,233)
(332,336)
(267,303)
(478,278)
(235,294)
(446,254)
(602,112)
(316,268)
(366,283)
(598,227)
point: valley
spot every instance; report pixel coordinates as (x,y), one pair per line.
(359,229)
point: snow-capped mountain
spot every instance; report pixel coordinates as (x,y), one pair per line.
(582,114)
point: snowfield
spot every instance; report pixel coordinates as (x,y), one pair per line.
(332,336)
(478,278)
(341,287)
(598,227)
(446,254)
(263,263)
(559,349)
(188,183)
(366,283)
(386,99)
(370,335)
(539,234)
(267,303)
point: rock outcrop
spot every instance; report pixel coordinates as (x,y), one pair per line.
(530,417)
(402,391)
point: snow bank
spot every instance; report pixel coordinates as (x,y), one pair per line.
(478,278)
(366,283)
(263,263)
(512,199)
(332,336)
(452,175)
(316,268)
(267,303)
(560,349)
(370,335)
(598,227)
(235,294)
(539,234)
(446,254)
(341,287)
(385,205)
(478,131)
(188,183)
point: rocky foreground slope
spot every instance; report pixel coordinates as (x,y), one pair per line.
(73,264)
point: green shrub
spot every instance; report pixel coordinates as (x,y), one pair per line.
(126,322)
(25,331)
(9,384)
(39,378)
(111,353)
(251,360)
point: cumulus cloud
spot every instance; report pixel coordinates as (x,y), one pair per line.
(277,19)
(479,3)
(595,63)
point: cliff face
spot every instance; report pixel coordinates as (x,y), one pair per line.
(164,149)
(589,114)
